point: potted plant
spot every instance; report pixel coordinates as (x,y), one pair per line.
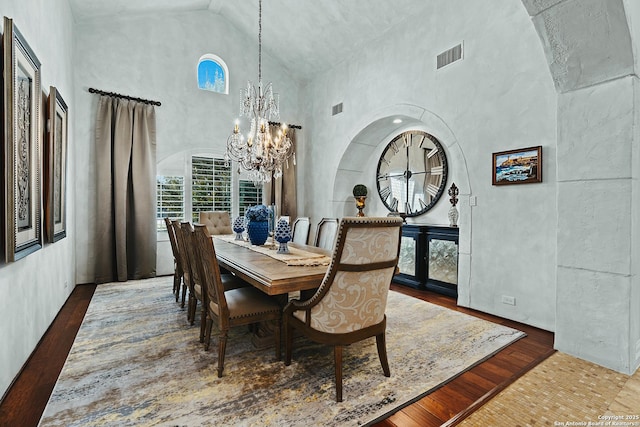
(257,224)
(360,194)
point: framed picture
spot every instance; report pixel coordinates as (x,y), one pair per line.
(21,154)
(520,166)
(55,168)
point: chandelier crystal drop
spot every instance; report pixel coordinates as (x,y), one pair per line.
(260,153)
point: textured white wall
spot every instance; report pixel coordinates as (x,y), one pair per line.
(499,97)
(632,11)
(34,288)
(590,53)
(154,56)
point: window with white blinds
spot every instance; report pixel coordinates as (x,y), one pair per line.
(248,195)
(210,185)
(170,193)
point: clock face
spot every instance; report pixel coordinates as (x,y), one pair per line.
(412,173)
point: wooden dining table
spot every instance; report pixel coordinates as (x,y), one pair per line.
(270,275)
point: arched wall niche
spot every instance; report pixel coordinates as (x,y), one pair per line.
(360,159)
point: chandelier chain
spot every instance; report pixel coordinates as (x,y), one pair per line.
(260,42)
(262,154)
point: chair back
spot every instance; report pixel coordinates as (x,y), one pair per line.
(353,294)
(191,255)
(326,233)
(182,251)
(172,238)
(210,274)
(217,222)
(300,230)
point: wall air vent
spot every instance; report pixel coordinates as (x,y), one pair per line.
(449,56)
(336,109)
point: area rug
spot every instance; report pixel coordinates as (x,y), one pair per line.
(137,362)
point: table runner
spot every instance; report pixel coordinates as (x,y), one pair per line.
(295,257)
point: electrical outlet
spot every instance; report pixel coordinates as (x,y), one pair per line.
(506,299)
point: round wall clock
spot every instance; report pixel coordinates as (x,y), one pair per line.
(412,173)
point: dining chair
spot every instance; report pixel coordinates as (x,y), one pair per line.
(183,260)
(197,284)
(177,266)
(300,230)
(217,222)
(326,233)
(233,307)
(350,304)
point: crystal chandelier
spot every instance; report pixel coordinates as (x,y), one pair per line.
(261,154)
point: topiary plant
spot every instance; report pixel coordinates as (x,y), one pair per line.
(360,190)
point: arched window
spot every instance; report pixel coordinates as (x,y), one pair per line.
(213,74)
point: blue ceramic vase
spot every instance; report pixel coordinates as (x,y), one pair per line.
(258,232)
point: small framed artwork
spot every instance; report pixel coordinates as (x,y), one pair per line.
(520,166)
(55,168)
(22,99)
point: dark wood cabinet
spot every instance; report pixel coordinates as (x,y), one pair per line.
(429,258)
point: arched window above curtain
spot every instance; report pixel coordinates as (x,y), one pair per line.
(213,74)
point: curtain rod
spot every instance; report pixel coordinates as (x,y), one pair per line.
(289,126)
(117,95)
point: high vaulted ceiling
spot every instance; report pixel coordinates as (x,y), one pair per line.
(311,34)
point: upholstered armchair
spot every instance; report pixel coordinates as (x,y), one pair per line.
(350,304)
(217,222)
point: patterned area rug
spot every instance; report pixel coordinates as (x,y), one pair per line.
(136,361)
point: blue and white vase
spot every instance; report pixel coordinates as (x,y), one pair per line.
(282,236)
(238,227)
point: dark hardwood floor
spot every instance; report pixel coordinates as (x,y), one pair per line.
(25,401)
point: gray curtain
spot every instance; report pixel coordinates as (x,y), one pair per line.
(125,243)
(282,191)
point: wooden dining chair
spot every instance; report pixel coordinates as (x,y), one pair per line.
(300,230)
(177,265)
(350,304)
(183,260)
(197,293)
(233,307)
(326,233)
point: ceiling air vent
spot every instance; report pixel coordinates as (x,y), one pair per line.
(336,109)
(449,56)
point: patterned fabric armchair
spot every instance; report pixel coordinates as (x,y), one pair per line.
(350,304)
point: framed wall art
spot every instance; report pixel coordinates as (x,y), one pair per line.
(520,166)
(55,168)
(22,132)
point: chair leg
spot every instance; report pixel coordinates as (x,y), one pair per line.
(222,346)
(207,334)
(337,351)
(203,322)
(382,354)
(175,281)
(277,339)
(191,309)
(288,342)
(184,293)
